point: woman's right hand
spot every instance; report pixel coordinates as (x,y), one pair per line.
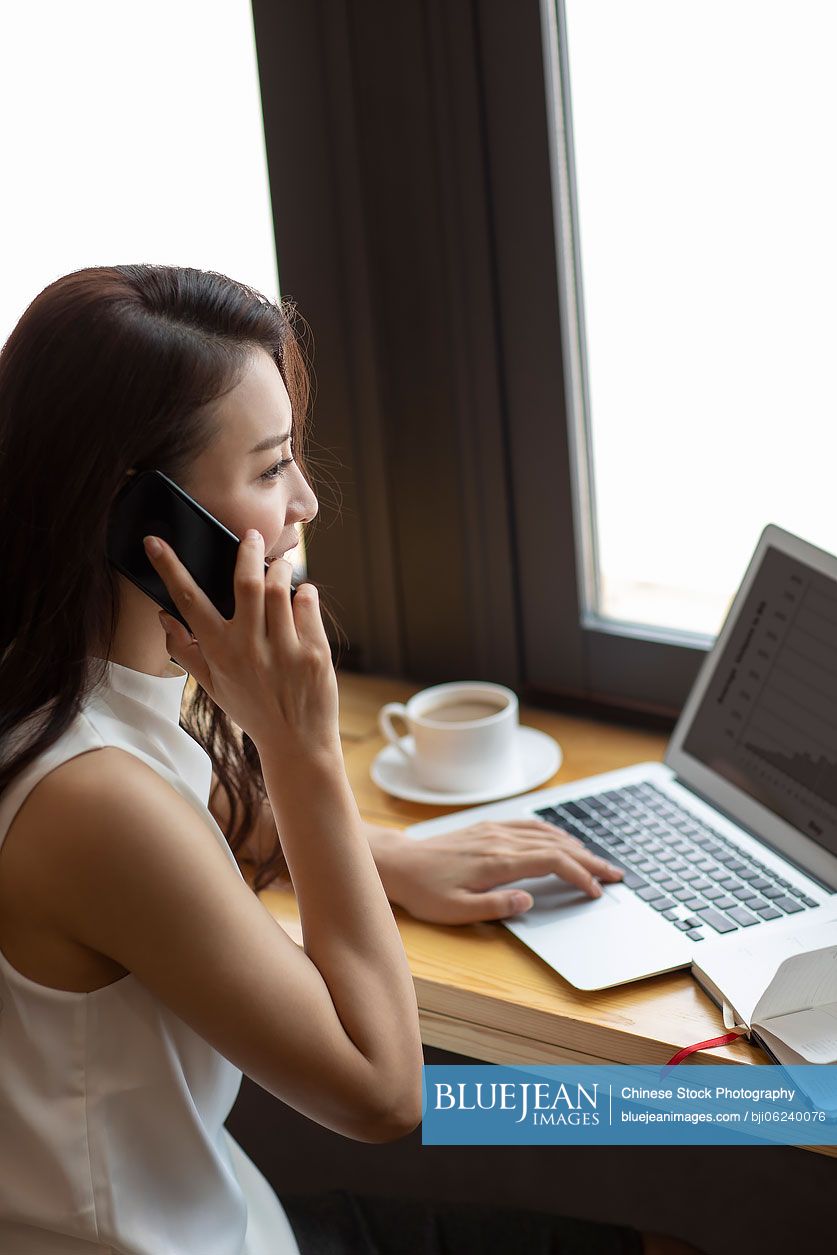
(269,666)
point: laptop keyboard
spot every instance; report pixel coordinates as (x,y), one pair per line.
(699,880)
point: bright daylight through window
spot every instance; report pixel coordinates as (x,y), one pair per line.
(705,235)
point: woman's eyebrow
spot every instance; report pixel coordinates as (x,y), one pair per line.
(270,442)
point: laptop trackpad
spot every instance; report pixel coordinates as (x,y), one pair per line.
(551,894)
(596,942)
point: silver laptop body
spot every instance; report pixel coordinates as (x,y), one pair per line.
(736,831)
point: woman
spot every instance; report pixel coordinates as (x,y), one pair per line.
(139,975)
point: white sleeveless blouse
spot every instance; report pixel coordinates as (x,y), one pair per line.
(112,1109)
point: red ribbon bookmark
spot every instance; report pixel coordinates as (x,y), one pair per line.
(705,1045)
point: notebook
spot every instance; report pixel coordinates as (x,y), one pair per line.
(734,834)
(782,987)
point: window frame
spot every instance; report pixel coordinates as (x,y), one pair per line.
(415,162)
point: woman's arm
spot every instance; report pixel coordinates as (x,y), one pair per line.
(260,840)
(325,1027)
(455,877)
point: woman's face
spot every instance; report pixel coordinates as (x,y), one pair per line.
(243,487)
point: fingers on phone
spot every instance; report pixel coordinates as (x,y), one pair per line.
(248,583)
(280,573)
(191,601)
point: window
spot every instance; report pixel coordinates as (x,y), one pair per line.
(131,134)
(705,203)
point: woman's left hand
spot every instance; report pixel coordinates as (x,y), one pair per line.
(453,878)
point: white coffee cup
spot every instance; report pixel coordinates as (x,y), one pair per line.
(464,732)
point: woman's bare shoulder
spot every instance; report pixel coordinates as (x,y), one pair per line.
(36,890)
(65,800)
(86,780)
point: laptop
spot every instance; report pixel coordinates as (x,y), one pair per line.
(735,832)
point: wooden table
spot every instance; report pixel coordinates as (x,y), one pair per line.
(481,992)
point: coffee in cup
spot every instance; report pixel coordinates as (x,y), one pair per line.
(464,734)
(463,711)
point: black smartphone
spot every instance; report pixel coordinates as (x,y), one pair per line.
(151,504)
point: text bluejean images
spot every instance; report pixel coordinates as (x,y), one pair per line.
(620,1104)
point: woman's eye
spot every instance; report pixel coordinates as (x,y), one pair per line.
(278,468)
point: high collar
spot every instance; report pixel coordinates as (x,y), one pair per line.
(163,693)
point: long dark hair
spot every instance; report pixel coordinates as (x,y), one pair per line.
(107,370)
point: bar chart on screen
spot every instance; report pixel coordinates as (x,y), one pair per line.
(772,724)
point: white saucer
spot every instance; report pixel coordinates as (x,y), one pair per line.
(537,759)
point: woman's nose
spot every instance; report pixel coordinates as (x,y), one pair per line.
(313,508)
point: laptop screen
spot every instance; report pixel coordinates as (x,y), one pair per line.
(768,719)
